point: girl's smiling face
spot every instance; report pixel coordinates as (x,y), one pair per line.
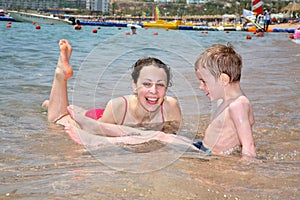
(212,86)
(151,87)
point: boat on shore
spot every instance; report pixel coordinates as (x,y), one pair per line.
(108,24)
(37,18)
(158,23)
(166,25)
(4,16)
(229,23)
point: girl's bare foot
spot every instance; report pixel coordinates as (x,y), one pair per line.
(64,69)
(45,104)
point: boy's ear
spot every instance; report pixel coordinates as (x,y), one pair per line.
(134,87)
(225,79)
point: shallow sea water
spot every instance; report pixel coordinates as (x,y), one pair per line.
(38,160)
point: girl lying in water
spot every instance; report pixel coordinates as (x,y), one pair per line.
(147,107)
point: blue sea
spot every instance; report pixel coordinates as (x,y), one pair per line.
(39,161)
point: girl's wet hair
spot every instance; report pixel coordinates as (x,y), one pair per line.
(220,59)
(148,61)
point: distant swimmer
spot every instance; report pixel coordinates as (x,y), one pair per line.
(77,26)
(133,29)
(259,33)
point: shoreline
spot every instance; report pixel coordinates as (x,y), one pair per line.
(285,25)
(139,20)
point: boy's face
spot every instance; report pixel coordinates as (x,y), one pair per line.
(209,84)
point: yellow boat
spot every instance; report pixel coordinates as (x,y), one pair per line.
(157,23)
(166,25)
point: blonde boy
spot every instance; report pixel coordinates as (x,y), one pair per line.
(219,71)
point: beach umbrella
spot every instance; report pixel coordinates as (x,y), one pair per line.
(291,7)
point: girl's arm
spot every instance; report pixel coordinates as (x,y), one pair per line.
(173,115)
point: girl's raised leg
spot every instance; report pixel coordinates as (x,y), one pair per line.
(58,102)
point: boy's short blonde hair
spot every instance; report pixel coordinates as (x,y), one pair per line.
(220,59)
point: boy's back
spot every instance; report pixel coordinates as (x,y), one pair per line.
(221,136)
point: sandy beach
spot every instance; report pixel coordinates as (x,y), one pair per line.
(285,25)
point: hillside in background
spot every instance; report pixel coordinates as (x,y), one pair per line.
(215,7)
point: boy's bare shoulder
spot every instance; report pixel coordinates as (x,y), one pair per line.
(241,102)
(243,99)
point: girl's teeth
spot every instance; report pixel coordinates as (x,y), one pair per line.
(152,99)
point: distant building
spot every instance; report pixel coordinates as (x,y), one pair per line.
(32,5)
(98,5)
(197,1)
(164,1)
(187,1)
(42,4)
(93,5)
